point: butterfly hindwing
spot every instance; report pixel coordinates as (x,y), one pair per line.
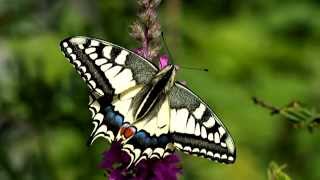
(153,139)
(106,120)
(196,129)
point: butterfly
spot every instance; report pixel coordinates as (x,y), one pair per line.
(145,108)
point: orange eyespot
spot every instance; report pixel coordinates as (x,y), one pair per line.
(127,132)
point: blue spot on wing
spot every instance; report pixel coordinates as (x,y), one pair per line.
(117,121)
(110,115)
(142,139)
(108,108)
(163,140)
(113,119)
(140,135)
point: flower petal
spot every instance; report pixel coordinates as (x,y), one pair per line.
(164,61)
(114,156)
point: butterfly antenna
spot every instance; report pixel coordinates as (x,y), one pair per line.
(166,48)
(171,58)
(197,69)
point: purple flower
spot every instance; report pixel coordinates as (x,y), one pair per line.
(141,52)
(114,155)
(146,30)
(164,61)
(115,162)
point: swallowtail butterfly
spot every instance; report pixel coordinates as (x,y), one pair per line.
(134,102)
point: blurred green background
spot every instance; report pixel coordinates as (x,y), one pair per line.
(269,49)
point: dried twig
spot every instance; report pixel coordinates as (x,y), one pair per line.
(295,112)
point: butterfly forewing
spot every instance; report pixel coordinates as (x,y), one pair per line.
(107,69)
(196,129)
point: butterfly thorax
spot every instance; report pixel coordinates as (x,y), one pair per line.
(154,93)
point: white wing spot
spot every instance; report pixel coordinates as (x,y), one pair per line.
(230,144)
(69,50)
(73,56)
(182,116)
(187,148)
(203,132)
(199,111)
(96,106)
(190,126)
(221,131)
(224,156)
(159,151)
(209,123)
(121,58)
(197,130)
(65,44)
(100,61)
(94,43)
(77,63)
(78,40)
(90,50)
(88,76)
(216,138)
(93,56)
(195,150)
(102,135)
(203,151)
(105,67)
(107,52)
(83,69)
(93,84)
(112,71)
(210,137)
(99,117)
(178,145)
(99,91)
(230,158)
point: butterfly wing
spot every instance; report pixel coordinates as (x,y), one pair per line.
(153,139)
(106,68)
(196,129)
(115,76)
